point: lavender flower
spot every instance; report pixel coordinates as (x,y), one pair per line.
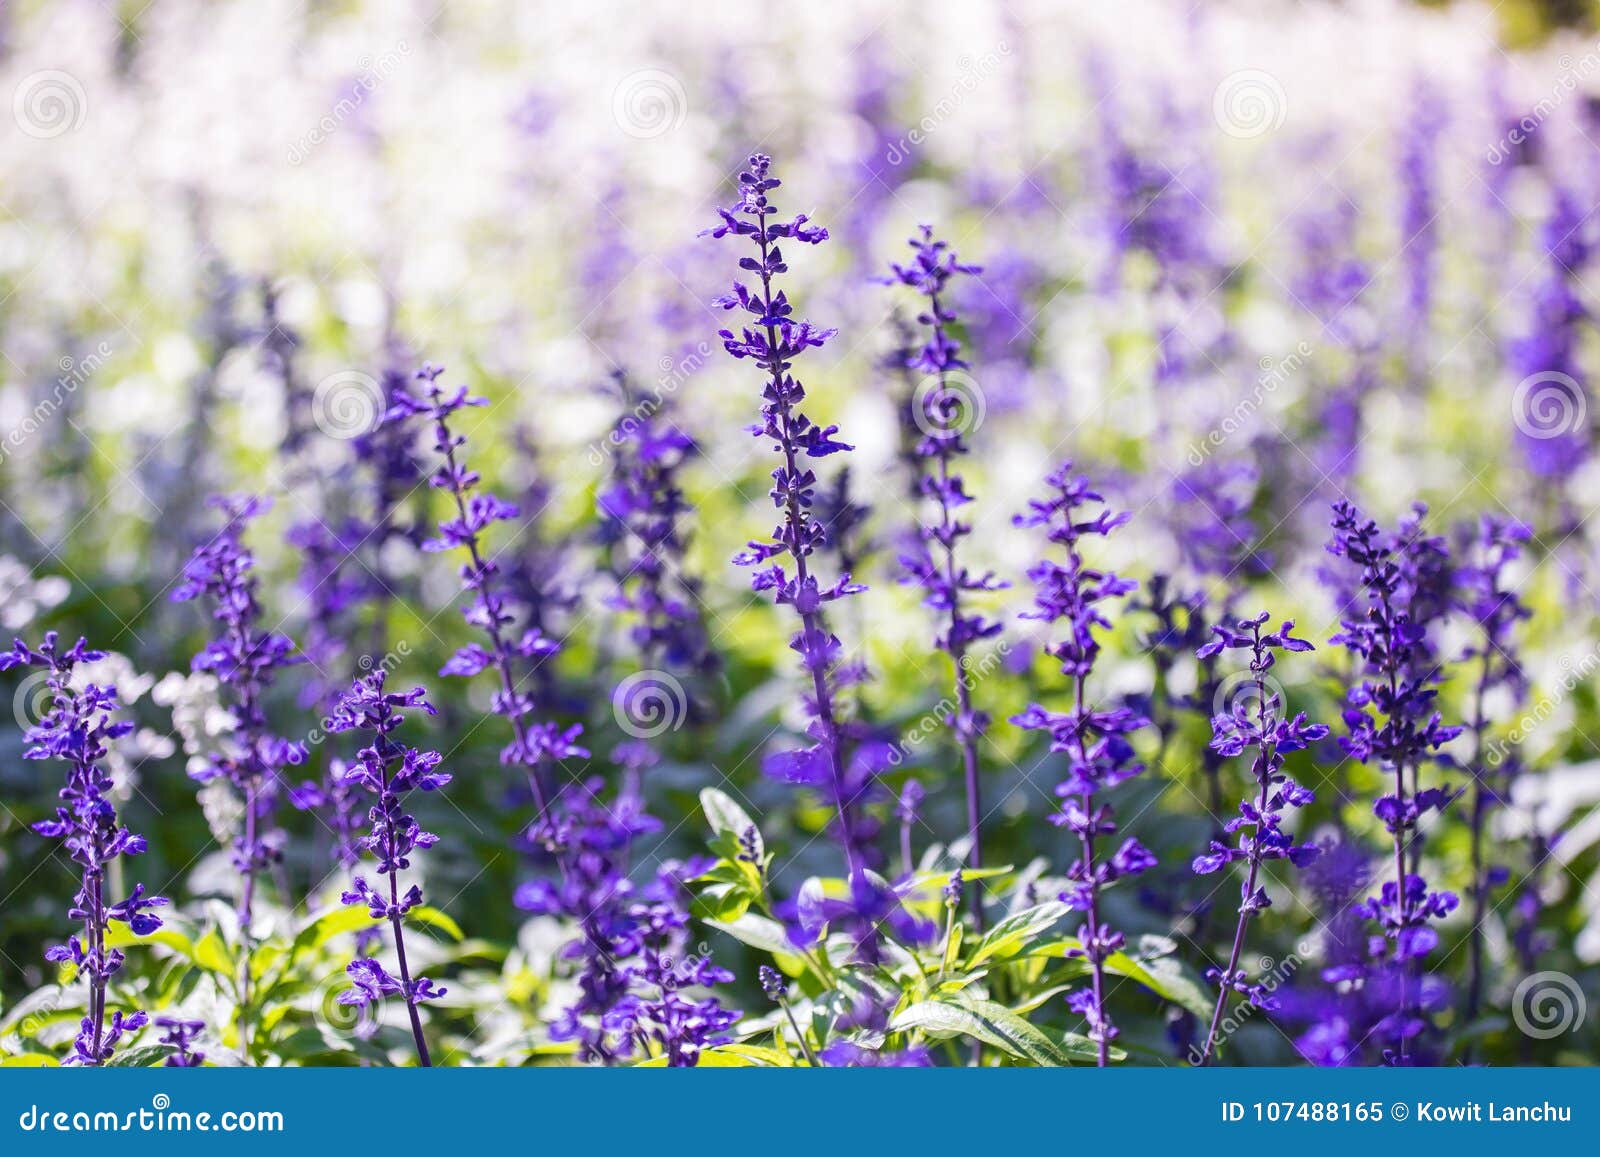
(1094,740)
(1261,837)
(245,659)
(1391,721)
(775,341)
(1552,394)
(534,745)
(634,974)
(179,1035)
(932,563)
(644,510)
(77,729)
(388,772)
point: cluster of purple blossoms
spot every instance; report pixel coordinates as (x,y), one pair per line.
(1256,721)
(1552,393)
(388,772)
(78,729)
(643,511)
(636,976)
(1390,720)
(179,1035)
(1094,740)
(932,563)
(245,659)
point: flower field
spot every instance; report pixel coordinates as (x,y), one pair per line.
(971,535)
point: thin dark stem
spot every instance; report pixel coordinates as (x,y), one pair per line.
(1480,805)
(1092,916)
(389,755)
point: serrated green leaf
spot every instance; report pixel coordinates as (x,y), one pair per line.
(146,1057)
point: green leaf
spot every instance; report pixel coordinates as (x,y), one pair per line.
(952,948)
(721,903)
(758,932)
(321,929)
(991,1023)
(146,1057)
(211,953)
(1168,979)
(121,936)
(726,817)
(1015,933)
(433,918)
(730,1056)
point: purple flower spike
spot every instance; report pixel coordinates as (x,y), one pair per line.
(941,413)
(1404,588)
(388,772)
(1094,740)
(78,729)
(245,659)
(1256,722)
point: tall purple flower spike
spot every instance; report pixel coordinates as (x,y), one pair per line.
(1391,721)
(1094,739)
(932,562)
(77,729)
(388,772)
(1258,723)
(773,339)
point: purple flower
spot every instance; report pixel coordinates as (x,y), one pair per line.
(1094,740)
(535,745)
(388,772)
(245,659)
(1256,722)
(179,1035)
(78,729)
(931,563)
(1404,587)
(773,338)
